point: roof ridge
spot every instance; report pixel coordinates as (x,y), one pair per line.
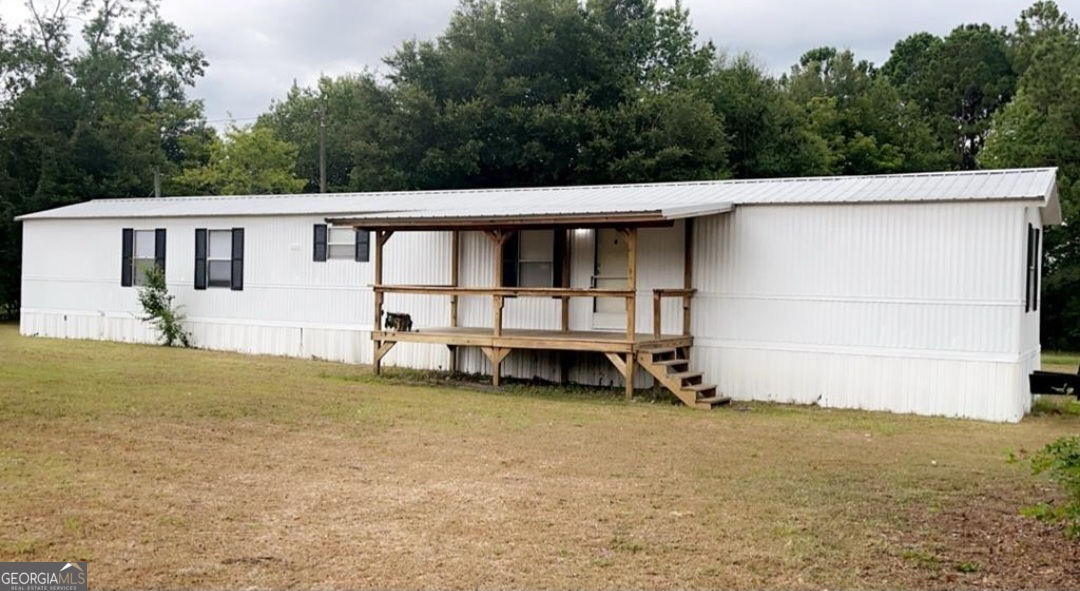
(696,183)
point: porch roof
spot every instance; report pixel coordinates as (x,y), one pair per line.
(552,214)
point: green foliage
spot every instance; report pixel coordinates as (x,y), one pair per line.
(957,83)
(88,118)
(160,311)
(863,124)
(249,161)
(1041,127)
(1061,461)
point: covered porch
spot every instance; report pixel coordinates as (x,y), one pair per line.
(627,346)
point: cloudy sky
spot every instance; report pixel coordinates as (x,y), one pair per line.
(256,48)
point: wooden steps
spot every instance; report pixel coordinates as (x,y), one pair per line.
(671,367)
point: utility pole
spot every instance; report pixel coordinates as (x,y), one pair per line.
(322,147)
(157,182)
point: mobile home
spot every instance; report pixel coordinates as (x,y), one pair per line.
(908,293)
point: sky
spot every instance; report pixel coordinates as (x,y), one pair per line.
(257,48)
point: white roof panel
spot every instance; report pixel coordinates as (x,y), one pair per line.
(676,198)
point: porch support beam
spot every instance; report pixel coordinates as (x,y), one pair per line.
(631,235)
(498,239)
(616,359)
(631,306)
(455,276)
(381,236)
(688,273)
(496,355)
(381,351)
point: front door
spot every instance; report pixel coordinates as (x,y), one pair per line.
(609,272)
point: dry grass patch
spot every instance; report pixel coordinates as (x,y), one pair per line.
(172,468)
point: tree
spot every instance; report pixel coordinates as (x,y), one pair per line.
(89,119)
(248,161)
(522,92)
(859,116)
(1041,127)
(769,132)
(355,110)
(958,82)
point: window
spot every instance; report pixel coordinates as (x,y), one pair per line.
(141,251)
(534,258)
(345,243)
(219,258)
(1031,288)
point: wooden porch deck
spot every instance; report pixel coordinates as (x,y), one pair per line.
(555,340)
(665,356)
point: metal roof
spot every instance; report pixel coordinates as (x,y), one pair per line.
(668,200)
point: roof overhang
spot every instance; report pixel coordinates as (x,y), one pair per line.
(1051,209)
(432,221)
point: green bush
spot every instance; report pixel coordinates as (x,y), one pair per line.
(159,310)
(1061,460)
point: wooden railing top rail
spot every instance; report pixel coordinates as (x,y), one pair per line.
(673,292)
(539,292)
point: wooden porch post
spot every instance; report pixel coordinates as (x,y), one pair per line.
(631,308)
(564,281)
(381,236)
(498,239)
(455,247)
(688,273)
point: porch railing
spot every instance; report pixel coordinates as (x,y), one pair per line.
(500,294)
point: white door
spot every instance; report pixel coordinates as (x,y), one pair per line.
(609,272)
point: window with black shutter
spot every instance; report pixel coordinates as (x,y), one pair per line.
(534,258)
(318,248)
(219,258)
(141,251)
(1031,287)
(363,246)
(345,243)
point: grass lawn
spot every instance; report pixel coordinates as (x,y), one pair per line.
(179,468)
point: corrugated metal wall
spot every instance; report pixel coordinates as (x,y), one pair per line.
(910,308)
(293,306)
(902,307)
(290,305)
(660,264)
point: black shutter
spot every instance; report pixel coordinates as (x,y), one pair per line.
(558,253)
(200,258)
(510,261)
(159,249)
(237,259)
(127,251)
(1027,268)
(319,249)
(1035,272)
(363,246)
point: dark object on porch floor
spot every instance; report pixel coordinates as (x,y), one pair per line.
(398,321)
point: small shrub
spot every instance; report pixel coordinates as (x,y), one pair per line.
(159,311)
(1061,460)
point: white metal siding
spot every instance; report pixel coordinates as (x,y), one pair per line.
(909,308)
(290,305)
(660,264)
(906,307)
(293,306)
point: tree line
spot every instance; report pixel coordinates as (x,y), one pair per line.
(537,92)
